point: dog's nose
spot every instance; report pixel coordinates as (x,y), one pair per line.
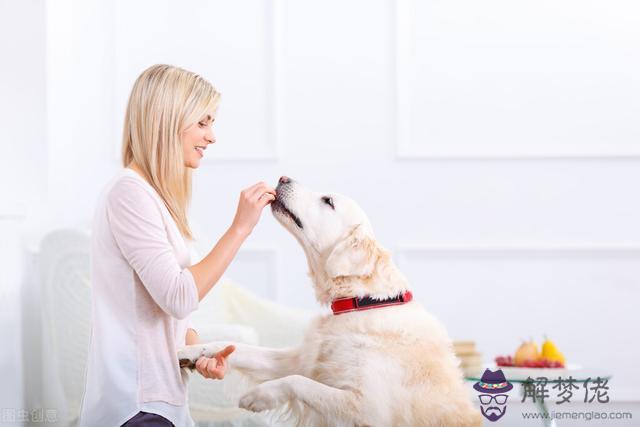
(284,180)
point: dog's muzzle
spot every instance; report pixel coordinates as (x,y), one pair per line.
(279,205)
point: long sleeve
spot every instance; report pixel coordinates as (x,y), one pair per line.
(139,231)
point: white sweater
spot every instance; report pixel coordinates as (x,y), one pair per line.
(142,295)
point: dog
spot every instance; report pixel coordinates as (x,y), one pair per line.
(379,359)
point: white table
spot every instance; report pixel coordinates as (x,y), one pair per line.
(517,375)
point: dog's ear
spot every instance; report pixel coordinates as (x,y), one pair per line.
(354,256)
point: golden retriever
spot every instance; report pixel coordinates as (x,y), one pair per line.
(387,362)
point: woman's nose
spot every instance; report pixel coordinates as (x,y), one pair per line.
(210,137)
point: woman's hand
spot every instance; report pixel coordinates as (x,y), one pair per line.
(216,366)
(252,201)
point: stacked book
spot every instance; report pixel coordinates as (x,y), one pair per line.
(470,359)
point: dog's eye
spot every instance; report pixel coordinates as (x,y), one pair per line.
(328,200)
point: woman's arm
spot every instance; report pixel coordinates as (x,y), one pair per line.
(139,231)
(207,272)
(192,337)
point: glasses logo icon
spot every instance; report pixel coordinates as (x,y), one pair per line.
(493,388)
(486,399)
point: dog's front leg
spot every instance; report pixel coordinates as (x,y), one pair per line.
(320,397)
(259,363)
(263,363)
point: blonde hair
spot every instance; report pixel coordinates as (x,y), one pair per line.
(164,101)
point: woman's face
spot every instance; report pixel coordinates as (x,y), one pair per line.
(195,140)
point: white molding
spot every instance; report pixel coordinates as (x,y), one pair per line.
(117,118)
(273,43)
(12,216)
(405,150)
(402,252)
(403,46)
(575,248)
(13,212)
(413,154)
(274,37)
(277,86)
(533,251)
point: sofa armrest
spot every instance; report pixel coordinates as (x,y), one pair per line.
(226,332)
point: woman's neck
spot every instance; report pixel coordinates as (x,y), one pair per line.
(132,165)
(136,168)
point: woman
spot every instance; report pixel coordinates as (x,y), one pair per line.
(143,286)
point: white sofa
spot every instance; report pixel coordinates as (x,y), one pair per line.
(56,336)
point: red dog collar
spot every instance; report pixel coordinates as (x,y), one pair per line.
(344,305)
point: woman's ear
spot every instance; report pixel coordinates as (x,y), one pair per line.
(354,256)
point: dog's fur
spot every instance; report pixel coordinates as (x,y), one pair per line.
(389,366)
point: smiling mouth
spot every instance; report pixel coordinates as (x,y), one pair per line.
(278,206)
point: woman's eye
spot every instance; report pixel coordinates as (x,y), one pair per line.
(329,201)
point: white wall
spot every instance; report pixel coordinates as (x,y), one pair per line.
(493,144)
(22,157)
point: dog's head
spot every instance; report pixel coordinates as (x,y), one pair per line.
(337,237)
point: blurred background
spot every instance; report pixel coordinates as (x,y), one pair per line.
(495,146)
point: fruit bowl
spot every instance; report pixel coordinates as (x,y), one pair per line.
(508,361)
(528,356)
(522,375)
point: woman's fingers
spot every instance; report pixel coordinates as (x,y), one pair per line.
(247,195)
(204,367)
(213,369)
(259,190)
(255,187)
(201,362)
(221,361)
(252,201)
(225,352)
(201,366)
(268,198)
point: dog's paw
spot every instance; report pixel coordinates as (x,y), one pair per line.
(187,356)
(262,398)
